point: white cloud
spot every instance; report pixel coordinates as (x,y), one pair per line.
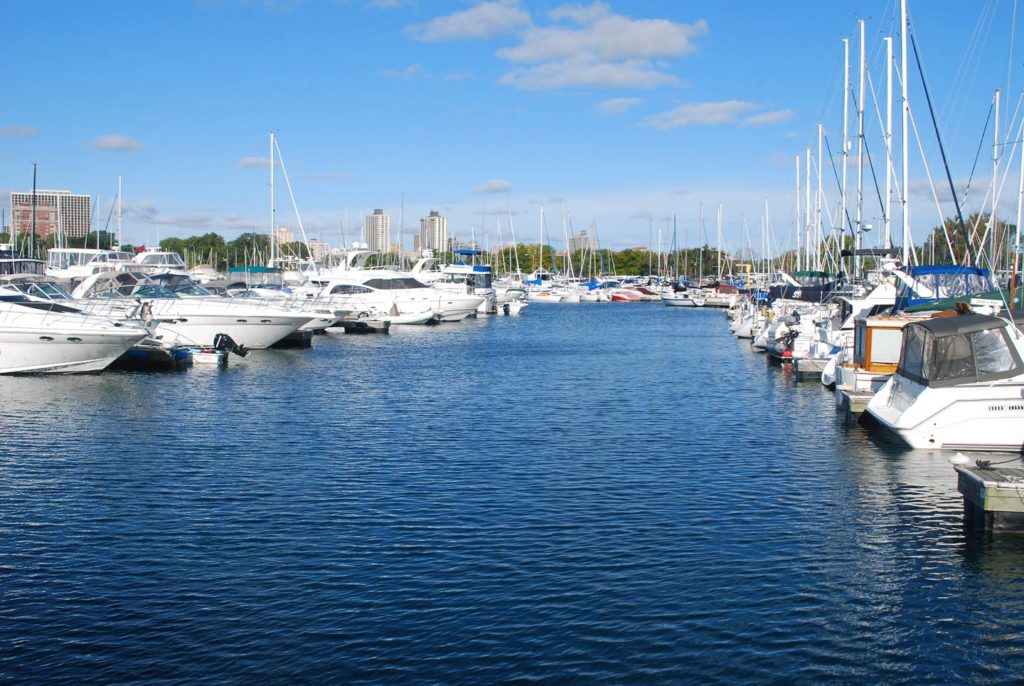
(407,74)
(700,113)
(772,117)
(253,163)
(494,186)
(484,20)
(602,49)
(116,143)
(146,213)
(613,37)
(581,14)
(634,74)
(616,105)
(16,131)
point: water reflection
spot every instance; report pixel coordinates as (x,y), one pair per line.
(582,493)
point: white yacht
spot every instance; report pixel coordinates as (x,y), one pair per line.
(959,385)
(390,292)
(156,261)
(50,337)
(191,321)
(73,264)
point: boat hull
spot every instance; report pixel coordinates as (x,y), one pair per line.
(48,350)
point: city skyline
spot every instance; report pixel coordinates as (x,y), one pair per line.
(624,115)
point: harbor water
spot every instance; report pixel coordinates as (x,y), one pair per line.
(618,493)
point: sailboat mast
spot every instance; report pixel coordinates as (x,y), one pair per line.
(32,243)
(888,142)
(540,259)
(799,223)
(807,214)
(904,189)
(273,233)
(119,211)
(817,201)
(719,243)
(1020,211)
(993,221)
(860,154)
(846,130)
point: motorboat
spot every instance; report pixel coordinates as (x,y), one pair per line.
(52,337)
(458,277)
(194,320)
(387,291)
(683,299)
(74,264)
(155,261)
(958,385)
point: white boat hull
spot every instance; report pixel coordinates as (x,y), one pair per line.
(67,350)
(983,416)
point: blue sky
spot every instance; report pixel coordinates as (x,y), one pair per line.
(622,113)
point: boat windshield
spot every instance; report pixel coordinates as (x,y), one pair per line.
(985,354)
(394,283)
(44,290)
(191,289)
(135,291)
(165,259)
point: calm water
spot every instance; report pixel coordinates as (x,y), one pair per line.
(596,493)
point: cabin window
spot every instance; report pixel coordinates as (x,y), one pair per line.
(397,283)
(912,361)
(348,289)
(952,285)
(992,352)
(885,345)
(954,359)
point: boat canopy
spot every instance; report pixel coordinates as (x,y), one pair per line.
(949,351)
(927,284)
(22,265)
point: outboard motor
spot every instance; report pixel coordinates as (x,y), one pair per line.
(222,341)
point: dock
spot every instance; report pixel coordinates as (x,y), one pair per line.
(809,367)
(303,338)
(365,325)
(851,401)
(993,496)
(152,356)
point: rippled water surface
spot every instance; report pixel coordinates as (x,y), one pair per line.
(591,493)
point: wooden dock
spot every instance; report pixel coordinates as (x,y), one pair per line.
(806,368)
(993,496)
(852,402)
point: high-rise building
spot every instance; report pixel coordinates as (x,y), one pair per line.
(434,232)
(582,242)
(55,212)
(284,235)
(318,250)
(377,231)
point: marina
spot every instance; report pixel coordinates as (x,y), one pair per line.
(571,525)
(586,343)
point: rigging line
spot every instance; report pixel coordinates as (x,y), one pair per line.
(977,155)
(846,210)
(1009,58)
(931,183)
(942,149)
(996,194)
(871,166)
